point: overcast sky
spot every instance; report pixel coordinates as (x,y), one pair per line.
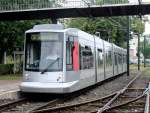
(147,25)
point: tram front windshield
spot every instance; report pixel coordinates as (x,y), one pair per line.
(44,51)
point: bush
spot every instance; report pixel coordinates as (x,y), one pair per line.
(6,68)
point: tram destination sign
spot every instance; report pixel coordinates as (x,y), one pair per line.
(44,36)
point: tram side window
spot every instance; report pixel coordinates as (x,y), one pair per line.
(69,53)
(120,58)
(107,64)
(86,57)
(124,59)
(100,57)
(116,59)
(108,58)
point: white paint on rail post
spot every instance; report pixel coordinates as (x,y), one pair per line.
(147,100)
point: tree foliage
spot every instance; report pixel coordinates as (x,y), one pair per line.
(12,34)
(137,25)
(145,52)
(114,28)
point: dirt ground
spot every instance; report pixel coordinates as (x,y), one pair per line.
(7,85)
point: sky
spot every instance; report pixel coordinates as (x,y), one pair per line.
(147,24)
(147,27)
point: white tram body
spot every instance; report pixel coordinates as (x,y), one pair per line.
(61,60)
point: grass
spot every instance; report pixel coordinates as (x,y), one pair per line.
(147,73)
(11,77)
(135,66)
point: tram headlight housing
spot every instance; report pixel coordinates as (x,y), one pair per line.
(59,78)
(26,76)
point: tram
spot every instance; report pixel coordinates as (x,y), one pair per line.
(59,60)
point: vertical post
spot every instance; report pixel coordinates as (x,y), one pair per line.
(140,15)
(54,20)
(5,57)
(128,38)
(144,50)
(138,51)
(14,70)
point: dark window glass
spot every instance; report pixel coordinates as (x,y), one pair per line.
(69,53)
(124,59)
(100,58)
(120,58)
(108,58)
(116,62)
(44,51)
(86,57)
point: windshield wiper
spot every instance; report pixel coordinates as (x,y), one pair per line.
(43,71)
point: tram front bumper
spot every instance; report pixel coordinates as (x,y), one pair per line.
(38,87)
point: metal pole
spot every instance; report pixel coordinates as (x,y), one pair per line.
(144,50)
(14,69)
(128,47)
(54,20)
(138,51)
(140,15)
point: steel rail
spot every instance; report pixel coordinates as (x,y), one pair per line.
(74,105)
(145,93)
(11,104)
(65,98)
(107,105)
(125,103)
(120,105)
(147,100)
(115,95)
(42,106)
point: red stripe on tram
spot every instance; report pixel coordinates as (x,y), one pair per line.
(75,57)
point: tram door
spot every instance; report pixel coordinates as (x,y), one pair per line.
(100,65)
(72,60)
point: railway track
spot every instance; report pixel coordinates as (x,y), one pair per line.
(3,101)
(12,104)
(24,105)
(119,99)
(131,96)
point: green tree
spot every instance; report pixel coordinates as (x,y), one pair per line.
(145,52)
(137,25)
(114,28)
(12,35)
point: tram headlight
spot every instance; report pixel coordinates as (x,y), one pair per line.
(59,78)
(27,76)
